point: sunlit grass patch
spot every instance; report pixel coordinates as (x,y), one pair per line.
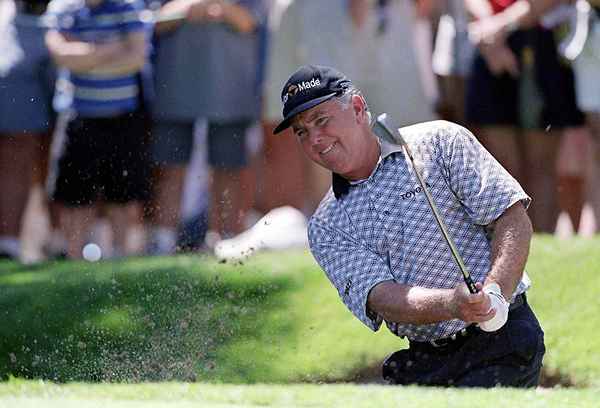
(183,395)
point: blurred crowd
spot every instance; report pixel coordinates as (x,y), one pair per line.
(149,123)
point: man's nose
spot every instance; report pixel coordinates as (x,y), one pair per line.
(315,137)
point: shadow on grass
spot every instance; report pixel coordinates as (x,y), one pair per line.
(372,375)
(135,320)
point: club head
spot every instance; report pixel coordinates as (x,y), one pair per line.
(386,130)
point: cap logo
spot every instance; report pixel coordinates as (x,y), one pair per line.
(302,86)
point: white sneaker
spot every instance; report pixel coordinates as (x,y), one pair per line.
(281,228)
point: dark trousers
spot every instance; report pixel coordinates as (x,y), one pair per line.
(510,357)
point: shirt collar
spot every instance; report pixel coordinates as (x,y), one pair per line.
(341,186)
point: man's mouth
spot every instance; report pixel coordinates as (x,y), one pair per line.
(327,150)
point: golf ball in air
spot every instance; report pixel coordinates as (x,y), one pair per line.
(92,252)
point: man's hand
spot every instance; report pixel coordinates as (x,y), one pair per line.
(488,30)
(197,11)
(471,307)
(499,58)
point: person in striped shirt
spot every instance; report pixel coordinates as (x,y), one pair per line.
(102,46)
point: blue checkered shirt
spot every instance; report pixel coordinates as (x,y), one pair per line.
(382,228)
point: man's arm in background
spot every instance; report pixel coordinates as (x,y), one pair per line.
(80,56)
(123,56)
(130,58)
(478,9)
(199,11)
(520,14)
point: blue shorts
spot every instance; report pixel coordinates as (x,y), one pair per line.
(511,357)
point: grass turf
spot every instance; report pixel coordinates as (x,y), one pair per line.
(274,319)
(38,394)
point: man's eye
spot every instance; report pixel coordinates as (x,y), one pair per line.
(300,134)
(322,121)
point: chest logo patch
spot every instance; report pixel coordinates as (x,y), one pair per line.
(411,194)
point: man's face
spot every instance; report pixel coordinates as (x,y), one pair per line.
(333,136)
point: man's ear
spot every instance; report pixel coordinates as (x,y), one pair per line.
(360,108)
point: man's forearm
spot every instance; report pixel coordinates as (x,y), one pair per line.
(510,248)
(415,305)
(206,11)
(80,56)
(239,18)
(174,7)
(526,13)
(478,9)
(125,62)
(121,56)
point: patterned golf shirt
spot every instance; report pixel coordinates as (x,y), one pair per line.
(382,229)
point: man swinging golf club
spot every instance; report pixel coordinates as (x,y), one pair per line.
(423,229)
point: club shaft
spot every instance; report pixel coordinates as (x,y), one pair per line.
(436,214)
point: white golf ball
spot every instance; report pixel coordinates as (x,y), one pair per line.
(92,252)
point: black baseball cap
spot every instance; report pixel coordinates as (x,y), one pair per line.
(308,87)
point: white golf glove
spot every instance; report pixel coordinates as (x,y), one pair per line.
(499,304)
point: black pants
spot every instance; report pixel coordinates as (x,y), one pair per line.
(510,357)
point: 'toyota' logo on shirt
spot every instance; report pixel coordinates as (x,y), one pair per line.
(411,194)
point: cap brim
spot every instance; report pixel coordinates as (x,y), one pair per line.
(285,123)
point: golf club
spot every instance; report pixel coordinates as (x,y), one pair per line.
(394,136)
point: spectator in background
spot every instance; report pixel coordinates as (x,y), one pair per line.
(519,94)
(451,59)
(25,114)
(104,45)
(587,79)
(574,151)
(393,54)
(206,68)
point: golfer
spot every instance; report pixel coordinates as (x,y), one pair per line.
(378,242)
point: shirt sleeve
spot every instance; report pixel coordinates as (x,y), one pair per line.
(59,16)
(483,186)
(352,269)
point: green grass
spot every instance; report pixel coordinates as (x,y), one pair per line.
(274,319)
(37,394)
(566,298)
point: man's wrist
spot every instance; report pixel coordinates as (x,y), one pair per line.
(494,290)
(500,287)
